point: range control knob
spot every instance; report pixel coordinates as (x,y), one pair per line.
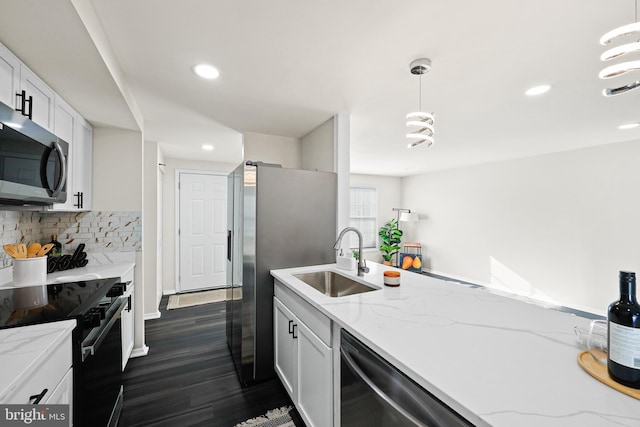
(91,319)
(117,290)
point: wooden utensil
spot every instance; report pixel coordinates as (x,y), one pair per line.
(11,250)
(44,249)
(33,249)
(21,250)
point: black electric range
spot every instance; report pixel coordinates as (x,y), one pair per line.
(61,301)
(96,305)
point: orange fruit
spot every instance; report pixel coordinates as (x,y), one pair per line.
(406,262)
(416,263)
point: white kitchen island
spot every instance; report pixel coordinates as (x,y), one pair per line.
(495,360)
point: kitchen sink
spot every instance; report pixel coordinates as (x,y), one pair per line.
(333,284)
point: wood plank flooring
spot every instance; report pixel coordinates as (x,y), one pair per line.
(188,378)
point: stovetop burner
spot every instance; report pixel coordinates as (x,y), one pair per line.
(60,301)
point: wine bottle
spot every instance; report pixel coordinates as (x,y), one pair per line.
(56,250)
(624,334)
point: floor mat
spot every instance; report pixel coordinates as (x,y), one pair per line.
(196,298)
(275,418)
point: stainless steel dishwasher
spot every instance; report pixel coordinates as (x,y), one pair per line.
(375,393)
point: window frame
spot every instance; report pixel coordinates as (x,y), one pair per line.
(370,235)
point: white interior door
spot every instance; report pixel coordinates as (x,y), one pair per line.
(202,231)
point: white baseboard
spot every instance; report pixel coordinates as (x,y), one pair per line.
(139,352)
(150,316)
(169,292)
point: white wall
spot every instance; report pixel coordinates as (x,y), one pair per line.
(562,225)
(389,190)
(169,221)
(317,148)
(272,149)
(341,146)
(150,228)
(118,186)
(117,170)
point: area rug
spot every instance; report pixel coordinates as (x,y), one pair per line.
(275,418)
(196,298)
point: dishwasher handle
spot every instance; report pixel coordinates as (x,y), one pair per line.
(346,357)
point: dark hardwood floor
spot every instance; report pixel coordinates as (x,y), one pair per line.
(188,378)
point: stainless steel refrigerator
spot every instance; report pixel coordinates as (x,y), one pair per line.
(277,218)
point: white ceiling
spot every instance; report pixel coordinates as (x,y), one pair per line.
(288,65)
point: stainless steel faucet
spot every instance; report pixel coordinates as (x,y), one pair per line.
(362,265)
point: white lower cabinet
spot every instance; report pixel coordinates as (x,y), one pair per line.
(285,351)
(127,328)
(315,385)
(127,320)
(45,378)
(303,357)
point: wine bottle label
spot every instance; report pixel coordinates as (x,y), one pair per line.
(624,345)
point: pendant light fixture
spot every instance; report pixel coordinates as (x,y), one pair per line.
(419,122)
(620,51)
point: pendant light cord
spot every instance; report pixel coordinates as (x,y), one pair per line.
(420,94)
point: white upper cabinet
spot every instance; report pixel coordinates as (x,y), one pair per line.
(9,76)
(22,90)
(50,111)
(82,161)
(75,130)
(65,128)
(36,99)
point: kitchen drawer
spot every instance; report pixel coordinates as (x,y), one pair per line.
(45,376)
(317,322)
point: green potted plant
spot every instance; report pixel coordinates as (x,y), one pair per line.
(390,236)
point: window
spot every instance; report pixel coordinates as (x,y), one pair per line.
(364,216)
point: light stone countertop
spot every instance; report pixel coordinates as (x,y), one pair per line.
(25,348)
(100,266)
(496,360)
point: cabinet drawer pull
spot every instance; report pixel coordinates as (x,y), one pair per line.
(37,397)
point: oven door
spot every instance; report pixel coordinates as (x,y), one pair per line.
(374,393)
(99,397)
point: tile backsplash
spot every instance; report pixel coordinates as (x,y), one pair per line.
(99,231)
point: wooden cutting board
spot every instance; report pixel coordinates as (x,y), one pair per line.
(600,373)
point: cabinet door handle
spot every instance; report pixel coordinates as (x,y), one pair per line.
(290,323)
(294,331)
(80,200)
(38,397)
(23,104)
(21,96)
(30,102)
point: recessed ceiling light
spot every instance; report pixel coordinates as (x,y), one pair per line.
(206,71)
(538,90)
(629,126)
(207,147)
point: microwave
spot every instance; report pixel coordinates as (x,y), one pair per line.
(33,162)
